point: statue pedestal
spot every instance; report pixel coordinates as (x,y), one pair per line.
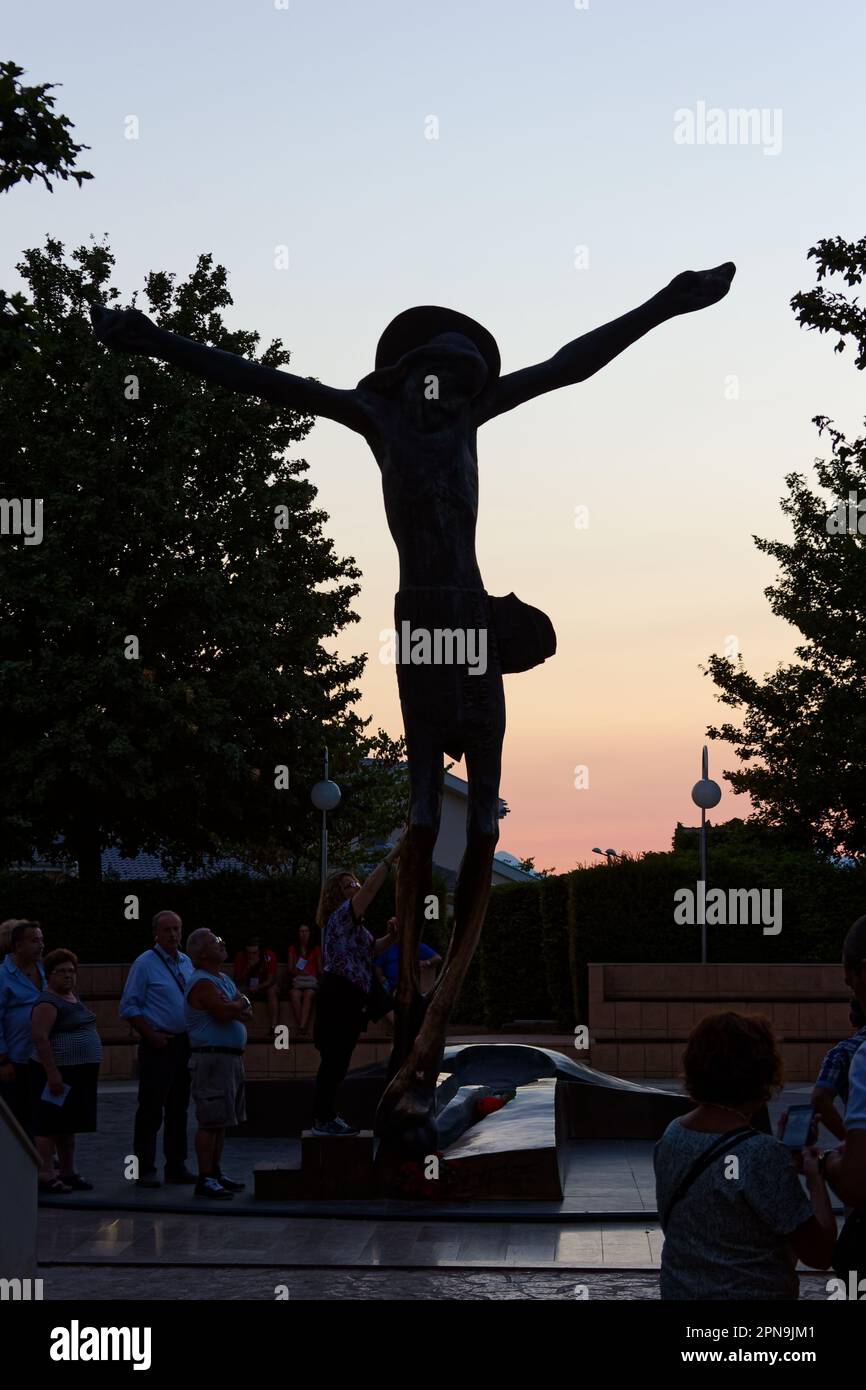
(338,1167)
(510,1154)
(330,1169)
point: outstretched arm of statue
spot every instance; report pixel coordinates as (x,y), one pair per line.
(693,289)
(129,330)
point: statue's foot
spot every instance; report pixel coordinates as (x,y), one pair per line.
(406,1122)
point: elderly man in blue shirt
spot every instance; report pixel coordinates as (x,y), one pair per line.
(154,1002)
(22,980)
(217,1013)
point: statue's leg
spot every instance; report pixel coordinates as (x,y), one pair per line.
(415,881)
(405,1117)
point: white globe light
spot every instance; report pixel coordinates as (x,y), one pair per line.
(706,793)
(325,796)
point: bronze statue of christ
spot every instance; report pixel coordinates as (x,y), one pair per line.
(437,380)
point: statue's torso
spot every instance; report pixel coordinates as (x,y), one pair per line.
(430,487)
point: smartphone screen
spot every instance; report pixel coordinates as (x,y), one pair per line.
(797,1126)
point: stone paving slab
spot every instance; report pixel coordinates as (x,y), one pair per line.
(74,1238)
(87,1283)
(102,1238)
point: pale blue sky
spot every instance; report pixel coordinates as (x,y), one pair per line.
(306,127)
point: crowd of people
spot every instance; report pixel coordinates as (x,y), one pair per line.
(735,1215)
(191,1019)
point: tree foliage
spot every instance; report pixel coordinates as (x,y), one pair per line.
(172,516)
(35,143)
(831,311)
(803,736)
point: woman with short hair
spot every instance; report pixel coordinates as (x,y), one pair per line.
(348,949)
(64,1072)
(729,1199)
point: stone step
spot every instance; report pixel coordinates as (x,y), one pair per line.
(273,1182)
(339,1168)
(325,1157)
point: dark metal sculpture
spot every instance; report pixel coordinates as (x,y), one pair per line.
(437,379)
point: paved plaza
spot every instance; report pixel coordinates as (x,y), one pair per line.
(602,1241)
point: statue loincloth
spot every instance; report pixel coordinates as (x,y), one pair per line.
(456,701)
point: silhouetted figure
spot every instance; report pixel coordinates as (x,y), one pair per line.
(437,379)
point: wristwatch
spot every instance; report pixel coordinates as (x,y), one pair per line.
(822,1161)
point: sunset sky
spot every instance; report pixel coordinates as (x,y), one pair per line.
(554,198)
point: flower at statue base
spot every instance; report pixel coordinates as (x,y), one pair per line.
(487,1105)
(416,1181)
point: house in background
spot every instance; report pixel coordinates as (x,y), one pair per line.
(447,853)
(451,842)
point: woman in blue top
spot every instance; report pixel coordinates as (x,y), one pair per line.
(348,949)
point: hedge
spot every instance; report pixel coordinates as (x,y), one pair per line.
(513,981)
(556,942)
(91,919)
(624,911)
(538,937)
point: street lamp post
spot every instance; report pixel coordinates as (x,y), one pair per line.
(325,796)
(706,793)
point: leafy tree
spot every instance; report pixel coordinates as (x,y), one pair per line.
(803,738)
(831,311)
(172,516)
(528,867)
(375,795)
(34,142)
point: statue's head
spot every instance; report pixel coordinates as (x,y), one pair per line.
(436,360)
(442,377)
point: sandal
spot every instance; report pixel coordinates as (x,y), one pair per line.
(75,1183)
(56,1186)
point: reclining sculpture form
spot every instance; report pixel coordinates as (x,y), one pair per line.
(437,379)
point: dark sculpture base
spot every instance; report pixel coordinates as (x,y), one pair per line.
(510,1155)
(514,1154)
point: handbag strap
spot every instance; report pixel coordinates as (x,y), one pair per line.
(723,1144)
(177,979)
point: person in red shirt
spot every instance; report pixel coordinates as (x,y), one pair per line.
(256,976)
(305,968)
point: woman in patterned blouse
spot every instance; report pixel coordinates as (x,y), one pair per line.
(348,949)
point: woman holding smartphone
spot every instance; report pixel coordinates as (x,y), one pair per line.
(734,1215)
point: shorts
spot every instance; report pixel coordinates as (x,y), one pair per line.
(305,982)
(217,1089)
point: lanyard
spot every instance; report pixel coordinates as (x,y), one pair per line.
(177,979)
